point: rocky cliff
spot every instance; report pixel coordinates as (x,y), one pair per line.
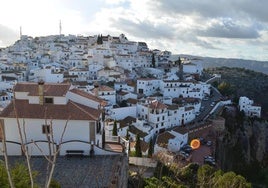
(243,146)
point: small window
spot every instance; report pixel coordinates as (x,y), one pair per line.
(49,100)
(46,129)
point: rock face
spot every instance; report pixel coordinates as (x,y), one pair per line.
(244,142)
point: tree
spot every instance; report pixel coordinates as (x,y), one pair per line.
(99,39)
(151,148)
(204,176)
(115,128)
(230,179)
(20,176)
(127,136)
(153,61)
(138,147)
(103,137)
(225,88)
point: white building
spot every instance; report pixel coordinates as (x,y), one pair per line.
(176,88)
(44,109)
(105,92)
(47,74)
(148,86)
(172,140)
(250,109)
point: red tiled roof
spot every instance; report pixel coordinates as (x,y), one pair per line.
(157,105)
(132,101)
(71,111)
(162,139)
(103,88)
(50,89)
(127,121)
(181,130)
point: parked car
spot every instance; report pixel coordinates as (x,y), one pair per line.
(212,163)
(209,158)
(209,143)
(202,140)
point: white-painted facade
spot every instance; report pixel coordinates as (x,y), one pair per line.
(247,105)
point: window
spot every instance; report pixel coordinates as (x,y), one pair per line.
(157,118)
(163,118)
(49,100)
(46,129)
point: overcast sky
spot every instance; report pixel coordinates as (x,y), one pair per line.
(217,28)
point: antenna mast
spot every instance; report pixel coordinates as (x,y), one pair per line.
(60,27)
(20,32)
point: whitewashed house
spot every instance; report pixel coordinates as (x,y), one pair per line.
(148,86)
(155,113)
(250,109)
(105,92)
(43,109)
(172,140)
(129,86)
(47,74)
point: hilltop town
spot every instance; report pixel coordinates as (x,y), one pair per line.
(98,94)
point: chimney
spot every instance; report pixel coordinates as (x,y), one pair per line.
(96,89)
(41,91)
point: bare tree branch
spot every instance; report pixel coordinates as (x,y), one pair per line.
(55,154)
(41,151)
(24,149)
(4,150)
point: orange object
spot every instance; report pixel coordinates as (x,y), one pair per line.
(195,144)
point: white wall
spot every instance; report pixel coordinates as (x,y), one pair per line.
(12,149)
(82,100)
(76,130)
(121,113)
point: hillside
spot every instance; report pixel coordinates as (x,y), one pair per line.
(209,62)
(245,82)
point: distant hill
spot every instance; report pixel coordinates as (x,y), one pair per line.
(258,66)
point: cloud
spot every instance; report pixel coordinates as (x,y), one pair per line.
(144,29)
(246,9)
(7,36)
(228,29)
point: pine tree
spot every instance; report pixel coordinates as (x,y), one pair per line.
(151,148)
(153,61)
(138,146)
(99,39)
(103,138)
(115,128)
(127,136)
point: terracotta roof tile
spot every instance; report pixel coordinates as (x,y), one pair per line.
(136,131)
(50,89)
(132,101)
(103,88)
(157,105)
(181,130)
(127,121)
(71,110)
(162,139)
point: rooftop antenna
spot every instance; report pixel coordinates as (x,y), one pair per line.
(20,32)
(60,27)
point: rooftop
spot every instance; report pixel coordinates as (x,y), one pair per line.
(162,139)
(50,89)
(71,111)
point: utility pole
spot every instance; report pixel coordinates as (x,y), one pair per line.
(60,27)
(20,32)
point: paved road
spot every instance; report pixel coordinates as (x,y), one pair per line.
(206,104)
